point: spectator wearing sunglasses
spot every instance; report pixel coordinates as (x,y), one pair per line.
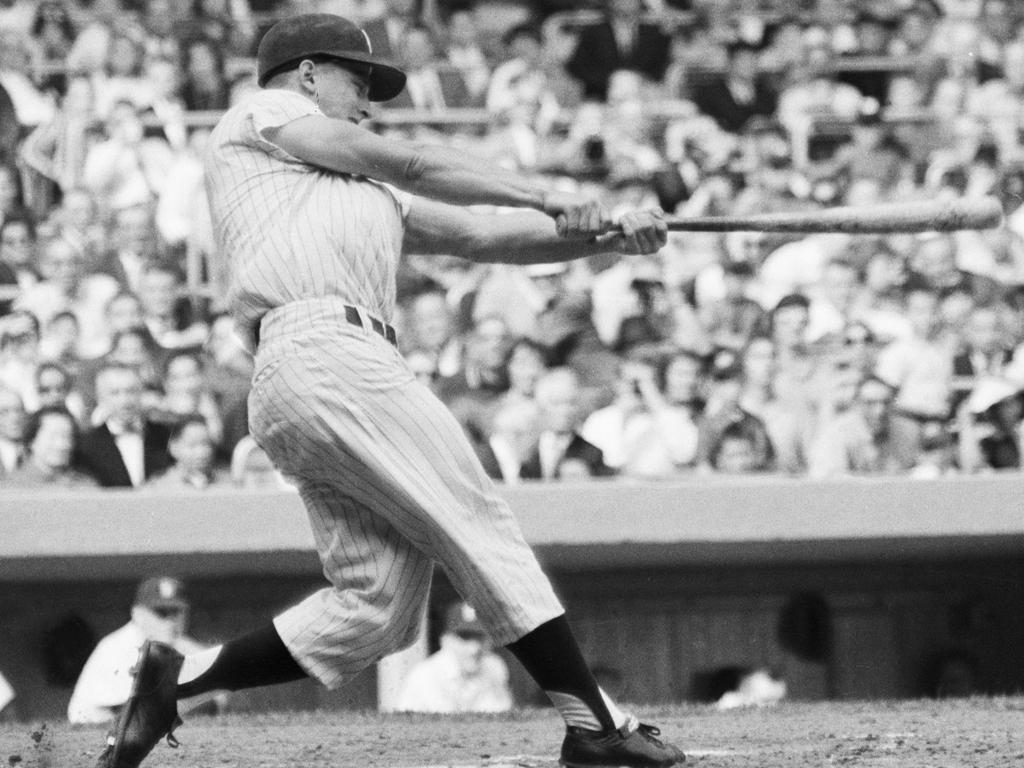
(159,612)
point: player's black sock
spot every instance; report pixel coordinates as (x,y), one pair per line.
(259,658)
(552,657)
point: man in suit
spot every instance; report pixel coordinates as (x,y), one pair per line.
(431,84)
(387,30)
(560,444)
(740,93)
(621,41)
(125,449)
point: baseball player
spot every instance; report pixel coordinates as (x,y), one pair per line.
(313,211)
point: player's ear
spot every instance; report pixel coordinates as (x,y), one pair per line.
(308,75)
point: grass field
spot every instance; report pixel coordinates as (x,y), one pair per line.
(914,734)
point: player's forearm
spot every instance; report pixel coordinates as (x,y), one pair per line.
(455,177)
(525,237)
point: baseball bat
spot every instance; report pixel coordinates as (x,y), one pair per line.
(926,216)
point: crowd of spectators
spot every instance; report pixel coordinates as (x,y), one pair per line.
(738,353)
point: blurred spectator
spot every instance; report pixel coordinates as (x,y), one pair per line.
(19,355)
(205,84)
(731,320)
(640,434)
(725,409)
(734,451)
(991,433)
(521,93)
(12,432)
(815,94)
(622,40)
(124,449)
(166,312)
(474,392)
(739,94)
(121,80)
(53,32)
(430,328)
(251,468)
(514,433)
(165,106)
(68,287)
(160,611)
(186,394)
(126,169)
(54,153)
(832,300)
(182,213)
(874,33)
(464,675)
(31,106)
(464,52)
(56,390)
(387,30)
(191,446)
(134,245)
(860,439)
(789,426)
(983,352)
(558,395)
(17,260)
(228,24)
(920,368)
(526,364)
(76,220)
(12,203)
(51,436)
(431,85)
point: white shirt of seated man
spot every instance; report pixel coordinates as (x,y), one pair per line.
(464,675)
(160,613)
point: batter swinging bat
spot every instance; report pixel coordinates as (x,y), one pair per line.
(928,216)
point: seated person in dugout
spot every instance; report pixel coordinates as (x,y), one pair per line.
(464,675)
(159,612)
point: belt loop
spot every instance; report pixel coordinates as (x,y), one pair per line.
(353,316)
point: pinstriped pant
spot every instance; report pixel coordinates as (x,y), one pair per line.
(391,485)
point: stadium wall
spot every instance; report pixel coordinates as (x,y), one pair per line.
(849,589)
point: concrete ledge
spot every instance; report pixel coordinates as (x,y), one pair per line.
(104,534)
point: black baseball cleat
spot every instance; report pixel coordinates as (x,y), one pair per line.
(634,745)
(151,711)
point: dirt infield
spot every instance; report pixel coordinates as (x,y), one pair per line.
(918,734)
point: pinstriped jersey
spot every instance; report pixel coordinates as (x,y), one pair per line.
(290,230)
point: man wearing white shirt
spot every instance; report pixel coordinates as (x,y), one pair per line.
(159,612)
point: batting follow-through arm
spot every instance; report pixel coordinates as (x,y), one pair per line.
(520,237)
(433,172)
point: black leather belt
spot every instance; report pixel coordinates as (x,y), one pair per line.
(379,326)
(353,316)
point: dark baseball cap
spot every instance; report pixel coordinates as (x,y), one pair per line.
(161,592)
(461,619)
(300,37)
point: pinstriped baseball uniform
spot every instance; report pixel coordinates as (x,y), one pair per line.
(389,480)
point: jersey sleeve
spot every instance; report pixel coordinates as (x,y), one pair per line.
(272,109)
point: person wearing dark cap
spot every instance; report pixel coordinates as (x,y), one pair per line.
(159,612)
(464,675)
(312,213)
